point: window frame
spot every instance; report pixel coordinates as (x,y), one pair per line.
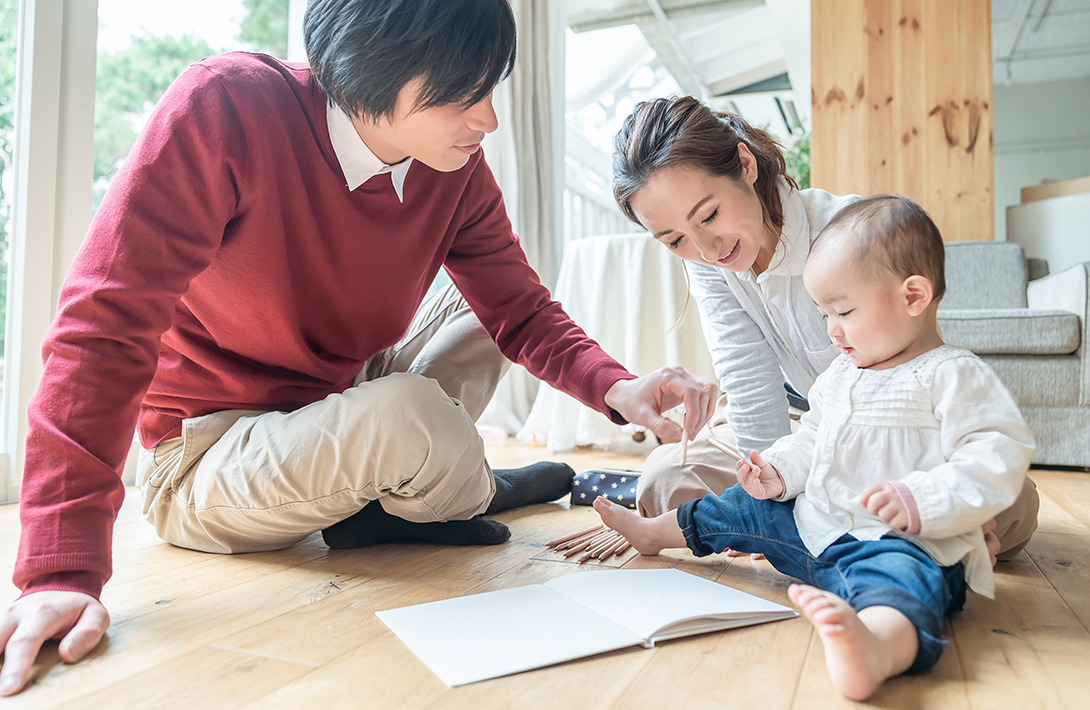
(54,143)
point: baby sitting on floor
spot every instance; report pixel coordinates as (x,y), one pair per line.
(909,447)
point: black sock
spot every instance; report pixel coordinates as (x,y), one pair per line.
(374,526)
(538,483)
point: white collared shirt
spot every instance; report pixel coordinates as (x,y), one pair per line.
(358,162)
(763,330)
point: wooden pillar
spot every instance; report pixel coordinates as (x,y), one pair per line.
(902,104)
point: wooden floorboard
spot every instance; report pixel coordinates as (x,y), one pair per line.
(297,628)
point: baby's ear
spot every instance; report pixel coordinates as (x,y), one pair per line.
(918,294)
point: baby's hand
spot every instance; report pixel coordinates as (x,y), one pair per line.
(882,500)
(759,478)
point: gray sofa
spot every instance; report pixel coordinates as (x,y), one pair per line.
(1033,334)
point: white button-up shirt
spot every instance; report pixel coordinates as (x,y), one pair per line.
(941,426)
(358,162)
(764,329)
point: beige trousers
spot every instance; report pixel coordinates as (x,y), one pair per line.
(665,483)
(244,481)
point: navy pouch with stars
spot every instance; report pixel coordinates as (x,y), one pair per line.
(617,484)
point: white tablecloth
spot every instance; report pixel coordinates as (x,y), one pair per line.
(626,291)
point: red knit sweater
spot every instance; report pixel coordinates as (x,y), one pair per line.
(229,267)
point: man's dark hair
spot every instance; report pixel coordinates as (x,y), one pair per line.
(362,52)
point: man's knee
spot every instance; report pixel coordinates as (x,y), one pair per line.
(451,480)
(408,397)
(415,409)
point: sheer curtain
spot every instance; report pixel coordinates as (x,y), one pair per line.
(526,153)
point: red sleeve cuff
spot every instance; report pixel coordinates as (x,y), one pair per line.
(78,581)
(603,381)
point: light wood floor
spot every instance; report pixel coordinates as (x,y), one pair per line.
(297,628)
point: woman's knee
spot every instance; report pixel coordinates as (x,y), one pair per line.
(1015,526)
(651,491)
(666,482)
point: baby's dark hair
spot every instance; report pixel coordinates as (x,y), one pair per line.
(893,233)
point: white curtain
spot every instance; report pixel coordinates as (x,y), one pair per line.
(527,150)
(526,153)
(628,292)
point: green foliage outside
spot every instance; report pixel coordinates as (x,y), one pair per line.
(128,84)
(265,27)
(9,30)
(130,81)
(798,158)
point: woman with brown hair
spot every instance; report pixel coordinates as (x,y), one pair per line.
(714,190)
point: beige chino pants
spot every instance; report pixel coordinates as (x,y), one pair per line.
(665,483)
(246,481)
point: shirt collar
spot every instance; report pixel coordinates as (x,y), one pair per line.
(794,244)
(358,163)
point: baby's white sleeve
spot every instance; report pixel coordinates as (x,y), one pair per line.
(987,447)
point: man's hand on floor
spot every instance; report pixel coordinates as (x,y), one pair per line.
(643,400)
(78,619)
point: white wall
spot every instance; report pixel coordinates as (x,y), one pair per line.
(1042,132)
(1056,230)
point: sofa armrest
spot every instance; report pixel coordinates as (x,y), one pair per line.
(1069,290)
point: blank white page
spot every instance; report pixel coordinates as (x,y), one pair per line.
(648,600)
(467,639)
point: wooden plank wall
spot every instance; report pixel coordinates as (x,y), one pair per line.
(902,103)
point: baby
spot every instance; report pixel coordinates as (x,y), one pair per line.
(909,447)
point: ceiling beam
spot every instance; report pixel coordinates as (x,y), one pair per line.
(589,15)
(749,76)
(663,39)
(1012,29)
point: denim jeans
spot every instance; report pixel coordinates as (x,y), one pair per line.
(889,572)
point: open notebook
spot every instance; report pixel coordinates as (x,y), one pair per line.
(467,639)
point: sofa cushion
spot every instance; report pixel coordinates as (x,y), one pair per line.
(1037,381)
(1011,331)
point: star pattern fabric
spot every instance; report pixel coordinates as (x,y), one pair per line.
(617,484)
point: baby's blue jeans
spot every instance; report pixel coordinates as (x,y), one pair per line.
(889,572)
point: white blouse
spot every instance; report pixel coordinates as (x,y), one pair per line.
(764,329)
(942,425)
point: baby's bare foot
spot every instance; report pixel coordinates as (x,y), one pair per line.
(637,530)
(853,655)
(735,553)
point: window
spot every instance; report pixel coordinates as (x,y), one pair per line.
(9,38)
(48,155)
(626,71)
(143,46)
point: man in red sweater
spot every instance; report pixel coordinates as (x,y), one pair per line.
(248,297)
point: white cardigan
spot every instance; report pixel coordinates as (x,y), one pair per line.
(763,329)
(941,426)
